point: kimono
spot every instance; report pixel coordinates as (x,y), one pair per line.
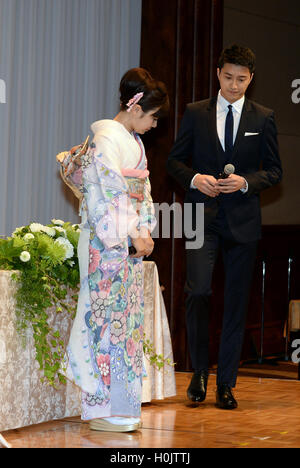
(105,351)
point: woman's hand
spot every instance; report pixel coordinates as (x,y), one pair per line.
(145,234)
(143,244)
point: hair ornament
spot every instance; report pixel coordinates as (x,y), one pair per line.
(136,98)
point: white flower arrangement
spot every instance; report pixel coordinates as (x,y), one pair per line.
(25,256)
(60,229)
(49,230)
(67,245)
(35,227)
(17,230)
(28,237)
(57,222)
(45,258)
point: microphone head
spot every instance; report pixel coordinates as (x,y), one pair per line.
(229,169)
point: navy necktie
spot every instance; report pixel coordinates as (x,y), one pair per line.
(229,133)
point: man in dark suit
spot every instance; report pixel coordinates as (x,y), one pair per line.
(227,129)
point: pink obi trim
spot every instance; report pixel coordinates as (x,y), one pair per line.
(138,196)
(138,173)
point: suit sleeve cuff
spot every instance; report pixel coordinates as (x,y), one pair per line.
(192,186)
(245,190)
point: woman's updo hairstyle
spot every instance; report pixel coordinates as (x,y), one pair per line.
(139,80)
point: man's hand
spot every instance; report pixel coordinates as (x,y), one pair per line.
(207,184)
(233,183)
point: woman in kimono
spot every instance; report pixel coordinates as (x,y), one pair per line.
(105,351)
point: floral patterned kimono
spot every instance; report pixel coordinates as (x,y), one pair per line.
(105,351)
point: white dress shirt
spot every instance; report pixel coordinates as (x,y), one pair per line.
(222,110)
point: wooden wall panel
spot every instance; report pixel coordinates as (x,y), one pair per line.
(181,41)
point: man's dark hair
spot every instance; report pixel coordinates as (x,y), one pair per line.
(238,55)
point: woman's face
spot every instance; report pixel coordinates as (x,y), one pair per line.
(144,121)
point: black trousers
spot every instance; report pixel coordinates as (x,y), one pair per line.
(239,260)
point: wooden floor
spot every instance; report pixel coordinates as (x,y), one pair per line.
(268,416)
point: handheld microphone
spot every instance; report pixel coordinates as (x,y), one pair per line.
(228,169)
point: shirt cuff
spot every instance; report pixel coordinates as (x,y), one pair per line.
(192,186)
(244,190)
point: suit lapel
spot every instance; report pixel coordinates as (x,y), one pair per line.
(212,130)
(242,127)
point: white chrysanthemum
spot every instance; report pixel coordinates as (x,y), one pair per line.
(28,237)
(17,231)
(49,230)
(60,229)
(36,227)
(25,256)
(59,222)
(68,246)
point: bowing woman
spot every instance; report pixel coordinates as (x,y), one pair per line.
(105,351)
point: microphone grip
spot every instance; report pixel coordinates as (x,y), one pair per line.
(223,175)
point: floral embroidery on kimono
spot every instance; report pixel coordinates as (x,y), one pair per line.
(105,351)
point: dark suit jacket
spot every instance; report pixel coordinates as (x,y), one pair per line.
(198,150)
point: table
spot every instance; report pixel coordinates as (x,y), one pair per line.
(24,400)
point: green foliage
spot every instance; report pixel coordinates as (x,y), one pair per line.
(46,264)
(156,360)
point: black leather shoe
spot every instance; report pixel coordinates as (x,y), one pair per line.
(198,386)
(225,398)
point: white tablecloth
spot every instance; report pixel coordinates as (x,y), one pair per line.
(24,400)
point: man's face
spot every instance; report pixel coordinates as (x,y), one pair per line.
(234,81)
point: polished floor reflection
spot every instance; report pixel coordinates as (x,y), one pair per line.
(268,416)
